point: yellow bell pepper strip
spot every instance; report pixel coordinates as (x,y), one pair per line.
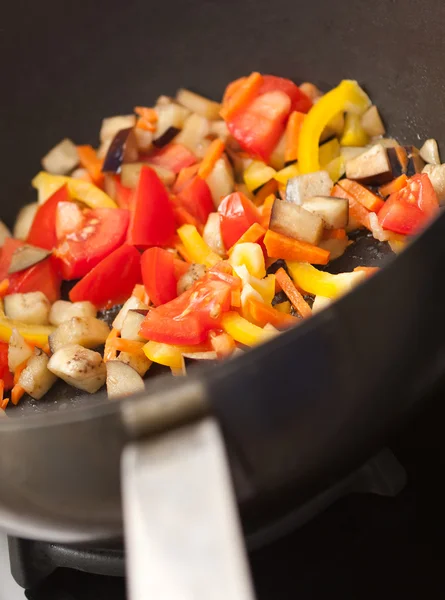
(347,96)
(327,152)
(36,334)
(251,255)
(320,283)
(46,184)
(353,133)
(265,287)
(196,248)
(164,354)
(336,168)
(287,173)
(257,174)
(243,331)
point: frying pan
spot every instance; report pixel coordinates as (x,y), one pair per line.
(314,403)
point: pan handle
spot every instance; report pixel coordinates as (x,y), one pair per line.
(182,533)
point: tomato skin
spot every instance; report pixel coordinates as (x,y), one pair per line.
(159,275)
(152,218)
(196,198)
(103,230)
(42,277)
(409,210)
(5,374)
(173,157)
(123,194)
(8,249)
(237,214)
(43,228)
(259,127)
(112,280)
(300,101)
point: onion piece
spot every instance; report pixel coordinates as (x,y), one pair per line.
(195,129)
(35,378)
(430,152)
(79,367)
(31,308)
(18,351)
(131,171)
(62,311)
(221,181)
(24,220)
(198,104)
(219,129)
(85,331)
(144,139)
(26,256)
(61,159)
(212,234)
(122,380)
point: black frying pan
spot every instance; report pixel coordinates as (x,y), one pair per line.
(312,404)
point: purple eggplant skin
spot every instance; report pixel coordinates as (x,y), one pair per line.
(122,149)
(166,137)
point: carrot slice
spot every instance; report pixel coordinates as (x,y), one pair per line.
(334,234)
(223,344)
(183,217)
(242,96)
(357,211)
(236,299)
(253,234)
(139,292)
(16,393)
(18,371)
(213,153)
(393,186)
(281,246)
(184,176)
(2,390)
(90,161)
(267,210)
(366,198)
(4,403)
(130,346)
(232,88)
(4,285)
(180,248)
(293,129)
(263,314)
(110,349)
(141,123)
(368,270)
(148,114)
(266,190)
(295,297)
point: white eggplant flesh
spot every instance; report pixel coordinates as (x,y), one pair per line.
(25,220)
(430,152)
(198,104)
(295,222)
(350,152)
(132,303)
(320,302)
(436,173)
(26,256)
(62,311)
(212,234)
(170,114)
(138,361)
(194,274)
(219,129)
(82,368)
(4,233)
(132,325)
(130,174)
(372,166)
(144,139)
(36,379)
(122,380)
(221,181)
(61,159)
(372,122)
(333,211)
(195,129)
(335,247)
(111,125)
(85,331)
(32,308)
(19,351)
(210,355)
(302,187)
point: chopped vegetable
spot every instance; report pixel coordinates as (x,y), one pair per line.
(295,297)
(31,308)
(243,331)
(36,379)
(333,211)
(281,246)
(158,275)
(369,200)
(436,173)
(251,255)
(257,174)
(302,187)
(262,314)
(85,331)
(293,130)
(372,122)
(237,214)
(61,159)
(212,234)
(84,191)
(370,167)
(320,283)
(196,248)
(122,380)
(26,256)
(79,367)
(196,198)
(430,152)
(296,222)
(354,133)
(62,311)
(25,220)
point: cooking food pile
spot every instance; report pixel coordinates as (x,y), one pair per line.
(209,222)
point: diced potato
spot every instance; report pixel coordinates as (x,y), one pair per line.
(35,378)
(296,222)
(79,367)
(62,311)
(61,159)
(132,303)
(333,211)
(132,325)
(18,351)
(299,189)
(122,380)
(85,331)
(31,308)
(138,361)
(24,220)
(111,125)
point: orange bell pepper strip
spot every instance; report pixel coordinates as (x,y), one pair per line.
(214,152)
(130,346)
(357,211)
(254,234)
(183,217)
(16,393)
(281,246)
(242,96)
(263,314)
(266,190)
(4,285)
(19,370)
(393,186)
(293,129)
(90,161)
(369,200)
(267,210)
(148,114)
(295,297)
(180,249)
(184,176)
(4,403)
(334,234)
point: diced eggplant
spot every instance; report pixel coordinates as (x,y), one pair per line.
(4,233)
(123,149)
(144,139)
(62,311)
(61,159)
(195,129)
(194,273)
(130,174)
(333,211)
(138,361)
(85,331)
(212,234)
(36,379)
(336,247)
(295,222)
(372,166)
(302,187)
(132,303)
(168,135)
(276,159)
(79,367)
(415,161)
(436,173)
(385,142)
(320,302)
(198,104)
(372,122)
(430,152)
(18,351)
(350,152)
(219,129)
(112,125)
(170,114)
(32,308)
(122,380)
(24,220)
(398,160)
(132,325)
(26,256)
(220,180)
(210,355)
